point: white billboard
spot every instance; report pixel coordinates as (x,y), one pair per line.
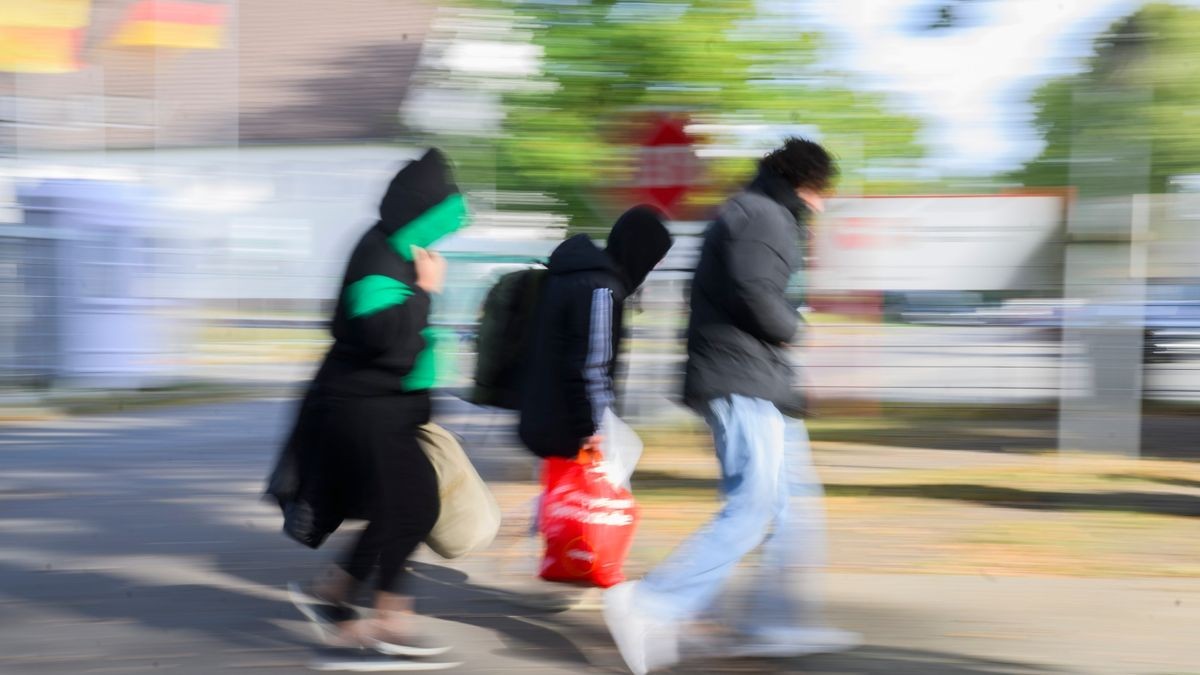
(938,243)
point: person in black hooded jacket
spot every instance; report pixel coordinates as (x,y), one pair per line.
(355,436)
(577,333)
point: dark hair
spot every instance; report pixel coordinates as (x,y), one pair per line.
(802,163)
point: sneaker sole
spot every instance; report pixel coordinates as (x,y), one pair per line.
(390,649)
(378,665)
(303,602)
(326,632)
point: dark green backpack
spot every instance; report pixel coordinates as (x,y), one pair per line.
(505,329)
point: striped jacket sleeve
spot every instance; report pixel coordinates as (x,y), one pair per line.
(588,361)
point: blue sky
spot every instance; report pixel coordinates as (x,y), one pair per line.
(970,85)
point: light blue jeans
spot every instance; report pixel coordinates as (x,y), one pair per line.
(772,498)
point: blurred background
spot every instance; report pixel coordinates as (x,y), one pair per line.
(1011,266)
(1016,225)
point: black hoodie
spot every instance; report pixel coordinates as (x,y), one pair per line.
(382,343)
(380,349)
(572,359)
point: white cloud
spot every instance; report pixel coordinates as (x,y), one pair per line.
(970,85)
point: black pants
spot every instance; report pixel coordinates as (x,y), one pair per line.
(372,445)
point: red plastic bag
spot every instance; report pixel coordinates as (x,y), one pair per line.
(587,522)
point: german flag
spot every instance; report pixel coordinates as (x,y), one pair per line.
(179,25)
(42,36)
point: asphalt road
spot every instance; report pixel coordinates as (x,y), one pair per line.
(136,543)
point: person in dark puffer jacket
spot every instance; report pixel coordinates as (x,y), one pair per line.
(739,376)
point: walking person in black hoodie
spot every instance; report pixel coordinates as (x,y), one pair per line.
(356,432)
(578,330)
(739,376)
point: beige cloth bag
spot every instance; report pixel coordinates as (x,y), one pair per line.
(470,516)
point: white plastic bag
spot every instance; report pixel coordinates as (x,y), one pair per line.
(621,449)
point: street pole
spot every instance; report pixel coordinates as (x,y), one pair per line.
(1105,265)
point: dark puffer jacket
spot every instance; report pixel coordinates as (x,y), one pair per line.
(742,320)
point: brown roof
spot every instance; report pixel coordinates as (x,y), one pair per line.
(292,71)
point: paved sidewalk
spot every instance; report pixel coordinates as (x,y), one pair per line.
(136,543)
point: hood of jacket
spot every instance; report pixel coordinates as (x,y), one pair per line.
(579,254)
(638,242)
(422,204)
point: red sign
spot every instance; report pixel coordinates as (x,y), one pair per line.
(668,165)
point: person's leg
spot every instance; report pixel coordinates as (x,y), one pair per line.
(362,557)
(749,439)
(535,529)
(783,617)
(407,508)
(522,557)
(788,584)
(381,464)
(380,456)
(519,573)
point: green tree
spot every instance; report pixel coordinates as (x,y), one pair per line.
(722,61)
(1129,121)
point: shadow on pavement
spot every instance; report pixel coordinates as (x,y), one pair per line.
(1163,436)
(1161,480)
(1036,500)
(446,593)
(881,660)
(1158,503)
(933,434)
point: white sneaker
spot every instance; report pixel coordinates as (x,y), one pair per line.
(626,627)
(645,644)
(792,641)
